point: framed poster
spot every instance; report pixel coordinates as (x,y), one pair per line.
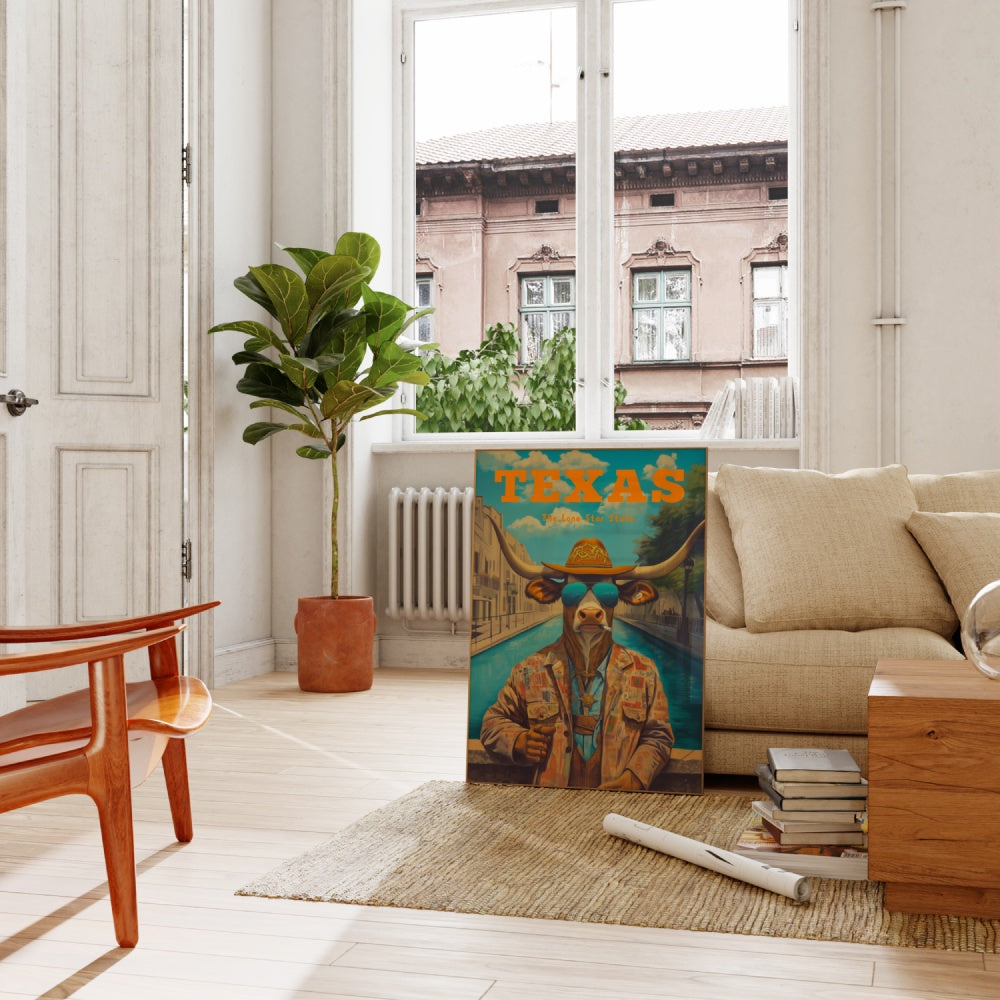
(587,637)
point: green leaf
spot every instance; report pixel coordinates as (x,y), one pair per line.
(287,293)
(279,405)
(305,259)
(251,357)
(363,248)
(335,283)
(269,382)
(402,409)
(310,430)
(259,431)
(250,287)
(257,345)
(301,371)
(384,316)
(392,364)
(308,451)
(341,337)
(256,331)
(346,399)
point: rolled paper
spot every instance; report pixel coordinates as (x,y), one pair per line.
(715,859)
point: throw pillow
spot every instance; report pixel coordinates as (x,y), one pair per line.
(830,551)
(723,583)
(964,548)
(974,491)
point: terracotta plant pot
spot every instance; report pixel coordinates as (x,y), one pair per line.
(336,643)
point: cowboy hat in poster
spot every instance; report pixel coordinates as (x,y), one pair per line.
(588,619)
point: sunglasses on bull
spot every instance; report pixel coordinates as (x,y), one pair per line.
(605,592)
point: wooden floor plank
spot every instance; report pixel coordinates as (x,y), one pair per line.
(277,771)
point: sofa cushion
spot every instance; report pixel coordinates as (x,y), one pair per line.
(809,680)
(964,549)
(723,583)
(974,491)
(819,551)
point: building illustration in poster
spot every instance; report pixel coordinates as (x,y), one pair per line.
(588,619)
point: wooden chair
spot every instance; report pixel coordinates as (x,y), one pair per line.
(106,739)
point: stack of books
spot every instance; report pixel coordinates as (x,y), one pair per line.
(813,815)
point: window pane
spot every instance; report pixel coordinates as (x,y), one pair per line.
(532,332)
(647,347)
(647,287)
(675,334)
(561,320)
(769,332)
(533,291)
(767,282)
(677,286)
(562,291)
(495,128)
(714,139)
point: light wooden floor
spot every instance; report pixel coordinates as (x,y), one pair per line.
(274,773)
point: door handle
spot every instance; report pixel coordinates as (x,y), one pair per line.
(17,402)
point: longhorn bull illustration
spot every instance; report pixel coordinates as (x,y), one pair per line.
(585,711)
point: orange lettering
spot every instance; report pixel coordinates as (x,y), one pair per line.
(510,478)
(582,480)
(543,493)
(626,489)
(672,491)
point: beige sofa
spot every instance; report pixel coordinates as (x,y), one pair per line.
(811,578)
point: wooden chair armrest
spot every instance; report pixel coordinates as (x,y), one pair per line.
(172,707)
(93,630)
(91,652)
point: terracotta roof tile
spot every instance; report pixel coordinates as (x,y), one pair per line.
(687,130)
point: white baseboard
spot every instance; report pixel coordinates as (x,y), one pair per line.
(247,659)
(415,650)
(286,654)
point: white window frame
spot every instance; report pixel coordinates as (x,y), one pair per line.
(595,264)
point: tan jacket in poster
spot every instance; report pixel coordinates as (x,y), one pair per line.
(635,716)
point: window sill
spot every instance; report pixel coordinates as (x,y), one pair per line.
(453,444)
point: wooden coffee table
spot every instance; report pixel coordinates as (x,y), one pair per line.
(934,787)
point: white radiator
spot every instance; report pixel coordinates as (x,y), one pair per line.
(430,553)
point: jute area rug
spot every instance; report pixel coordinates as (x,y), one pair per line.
(538,852)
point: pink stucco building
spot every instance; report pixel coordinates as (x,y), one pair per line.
(701,248)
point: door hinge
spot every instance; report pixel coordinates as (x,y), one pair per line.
(186,164)
(187,560)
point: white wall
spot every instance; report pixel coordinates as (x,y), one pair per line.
(951,221)
(943,95)
(242,230)
(298,525)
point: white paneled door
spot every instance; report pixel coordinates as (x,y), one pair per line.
(94,324)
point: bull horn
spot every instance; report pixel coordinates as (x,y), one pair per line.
(668,565)
(516,563)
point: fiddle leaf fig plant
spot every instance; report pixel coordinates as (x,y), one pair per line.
(335,352)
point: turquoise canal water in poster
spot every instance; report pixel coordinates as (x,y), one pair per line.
(588,622)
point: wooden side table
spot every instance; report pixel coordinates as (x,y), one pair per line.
(934,787)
